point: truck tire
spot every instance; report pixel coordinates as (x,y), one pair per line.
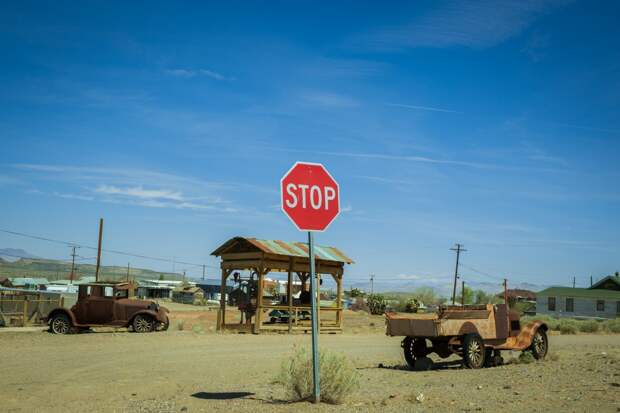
(60,324)
(413,349)
(540,344)
(143,323)
(474,353)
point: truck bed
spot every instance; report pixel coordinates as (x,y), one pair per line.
(487,320)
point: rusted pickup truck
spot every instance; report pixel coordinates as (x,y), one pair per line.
(477,333)
(108,304)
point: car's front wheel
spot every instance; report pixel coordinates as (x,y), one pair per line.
(60,324)
(143,323)
(164,325)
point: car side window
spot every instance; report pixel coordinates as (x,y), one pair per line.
(108,292)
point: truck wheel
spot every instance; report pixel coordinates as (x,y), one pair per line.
(473,351)
(540,344)
(413,349)
(60,324)
(142,324)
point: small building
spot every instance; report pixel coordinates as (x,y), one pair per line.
(187,294)
(212,289)
(5,282)
(30,283)
(601,300)
(157,288)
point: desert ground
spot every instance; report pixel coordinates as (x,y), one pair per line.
(198,370)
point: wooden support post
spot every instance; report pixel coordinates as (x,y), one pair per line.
(258,319)
(221,315)
(289,295)
(318,301)
(25,311)
(339,303)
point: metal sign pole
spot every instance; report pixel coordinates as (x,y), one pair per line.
(315,326)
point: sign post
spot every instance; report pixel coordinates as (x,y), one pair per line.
(311,199)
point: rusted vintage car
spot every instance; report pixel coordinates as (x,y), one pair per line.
(108,304)
(477,333)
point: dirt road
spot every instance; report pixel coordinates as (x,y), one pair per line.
(185,371)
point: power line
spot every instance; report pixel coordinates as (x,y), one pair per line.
(483,273)
(118,252)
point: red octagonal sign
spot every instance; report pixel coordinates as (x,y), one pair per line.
(310,196)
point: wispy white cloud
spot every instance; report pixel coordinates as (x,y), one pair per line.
(474,24)
(427,108)
(137,187)
(140,192)
(189,73)
(327,99)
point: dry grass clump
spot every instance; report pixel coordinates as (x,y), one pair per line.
(526,357)
(589,326)
(568,327)
(180,325)
(613,326)
(338,376)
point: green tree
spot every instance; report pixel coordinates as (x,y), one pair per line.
(161,277)
(376,304)
(356,292)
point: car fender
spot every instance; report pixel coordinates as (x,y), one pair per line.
(61,310)
(524,339)
(151,313)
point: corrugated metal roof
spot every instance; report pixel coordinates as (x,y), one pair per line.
(579,292)
(291,249)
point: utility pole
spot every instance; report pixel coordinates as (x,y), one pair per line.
(99,249)
(183,275)
(459,248)
(174,265)
(462,293)
(573,282)
(203,272)
(73,254)
(590,281)
(127,272)
(372,283)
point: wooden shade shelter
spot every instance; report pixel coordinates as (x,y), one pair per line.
(264,256)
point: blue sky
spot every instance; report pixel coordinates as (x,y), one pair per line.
(492,124)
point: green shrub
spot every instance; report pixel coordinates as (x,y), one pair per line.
(589,326)
(613,326)
(568,327)
(412,305)
(338,376)
(376,304)
(526,357)
(552,322)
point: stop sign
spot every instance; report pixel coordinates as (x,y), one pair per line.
(310,196)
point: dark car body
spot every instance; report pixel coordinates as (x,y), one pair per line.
(108,304)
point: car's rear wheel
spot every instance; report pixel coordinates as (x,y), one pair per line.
(473,351)
(540,344)
(143,323)
(60,324)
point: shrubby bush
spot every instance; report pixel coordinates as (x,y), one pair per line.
(338,376)
(588,326)
(376,304)
(568,327)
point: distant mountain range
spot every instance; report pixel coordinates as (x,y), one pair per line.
(443,289)
(13,254)
(19,263)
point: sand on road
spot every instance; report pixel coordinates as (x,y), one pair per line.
(186,371)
